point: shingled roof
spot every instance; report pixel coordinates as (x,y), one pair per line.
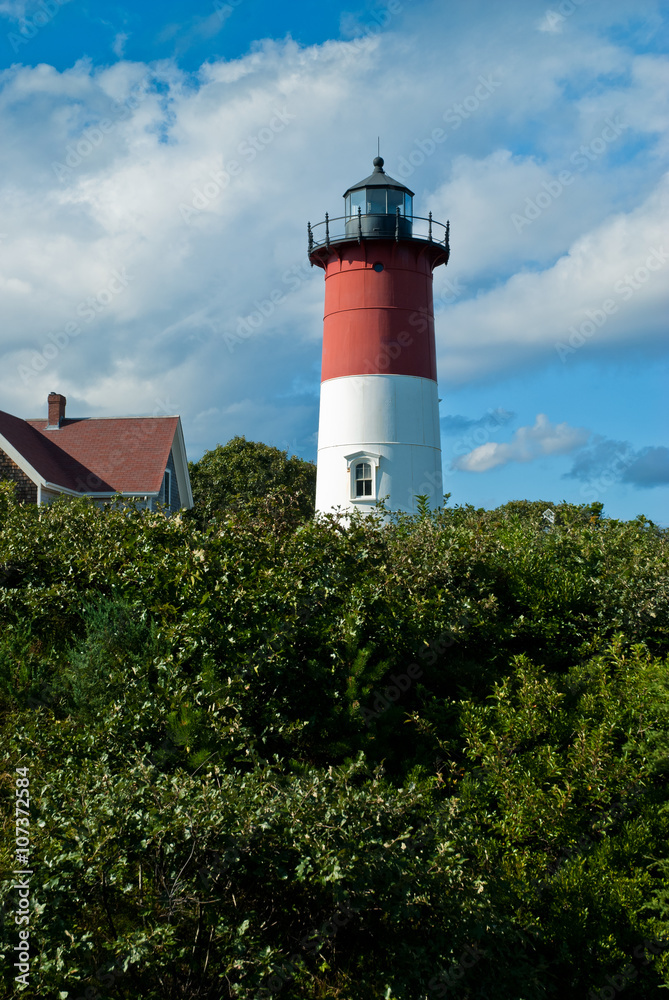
(93,455)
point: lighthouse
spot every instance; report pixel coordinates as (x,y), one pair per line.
(378,431)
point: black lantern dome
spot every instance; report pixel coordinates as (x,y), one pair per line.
(379,205)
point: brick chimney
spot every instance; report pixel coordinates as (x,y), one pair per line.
(56,410)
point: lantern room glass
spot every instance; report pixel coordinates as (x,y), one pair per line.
(395,201)
(355,200)
(378,201)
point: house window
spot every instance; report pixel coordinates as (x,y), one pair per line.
(167,490)
(363,479)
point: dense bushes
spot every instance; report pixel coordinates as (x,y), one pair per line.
(344,760)
(241,474)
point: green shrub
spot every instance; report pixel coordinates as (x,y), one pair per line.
(449,730)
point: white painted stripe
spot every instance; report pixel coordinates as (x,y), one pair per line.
(392,418)
(360,409)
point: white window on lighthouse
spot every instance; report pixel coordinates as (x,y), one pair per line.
(362,471)
(363,479)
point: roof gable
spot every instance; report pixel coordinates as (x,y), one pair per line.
(41,461)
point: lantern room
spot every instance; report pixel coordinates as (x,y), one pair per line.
(379,206)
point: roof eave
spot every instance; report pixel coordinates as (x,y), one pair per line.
(92,493)
(19,460)
(181,466)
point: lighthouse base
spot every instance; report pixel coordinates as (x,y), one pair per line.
(378,438)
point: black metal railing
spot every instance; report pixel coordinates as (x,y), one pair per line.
(345,228)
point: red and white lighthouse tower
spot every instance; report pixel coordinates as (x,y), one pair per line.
(378,433)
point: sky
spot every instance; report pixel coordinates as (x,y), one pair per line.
(160,162)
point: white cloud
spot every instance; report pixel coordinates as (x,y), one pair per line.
(14,9)
(643,101)
(527,444)
(118,45)
(118,206)
(552,21)
(525,319)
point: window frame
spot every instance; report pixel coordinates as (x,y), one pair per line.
(364,480)
(167,488)
(352,462)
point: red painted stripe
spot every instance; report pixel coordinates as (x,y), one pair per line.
(379,323)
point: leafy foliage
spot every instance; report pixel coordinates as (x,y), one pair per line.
(242,473)
(337,759)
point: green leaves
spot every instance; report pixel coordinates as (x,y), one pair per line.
(217,801)
(252,477)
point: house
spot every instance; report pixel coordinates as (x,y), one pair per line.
(139,457)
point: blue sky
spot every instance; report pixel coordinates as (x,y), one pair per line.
(160,163)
